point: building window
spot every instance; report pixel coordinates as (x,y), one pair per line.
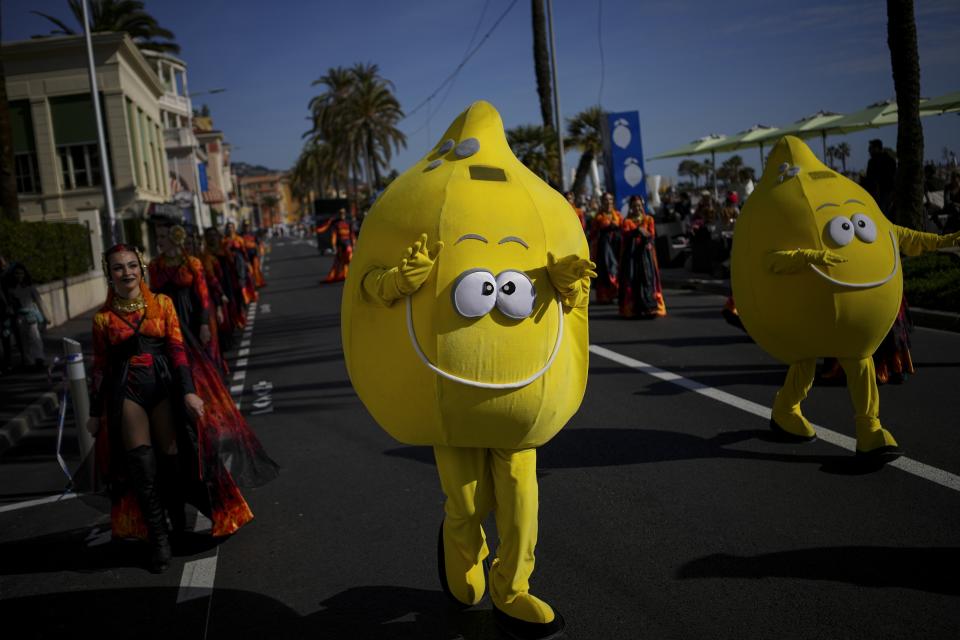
(79,165)
(24,150)
(28,172)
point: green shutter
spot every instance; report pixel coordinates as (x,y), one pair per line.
(73,120)
(21,122)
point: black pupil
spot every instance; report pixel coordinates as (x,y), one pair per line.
(846,226)
(861,224)
(487,289)
(508,288)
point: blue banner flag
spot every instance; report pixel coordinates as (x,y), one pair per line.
(624,156)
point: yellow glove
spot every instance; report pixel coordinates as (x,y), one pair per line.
(796,259)
(949,240)
(571,278)
(387,285)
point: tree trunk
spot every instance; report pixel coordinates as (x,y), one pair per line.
(905,61)
(583,170)
(541,62)
(9,204)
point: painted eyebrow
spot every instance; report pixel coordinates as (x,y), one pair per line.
(470,236)
(514,239)
(827,204)
(855,202)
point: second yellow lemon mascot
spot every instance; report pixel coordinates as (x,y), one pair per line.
(816,273)
(464,325)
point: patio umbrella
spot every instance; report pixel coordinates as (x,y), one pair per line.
(812,125)
(695,148)
(755,135)
(948,103)
(878,114)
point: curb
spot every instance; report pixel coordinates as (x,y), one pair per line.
(43,408)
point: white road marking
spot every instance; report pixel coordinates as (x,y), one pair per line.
(198,575)
(236,389)
(38,501)
(241,363)
(245,343)
(238,376)
(911,466)
(245,351)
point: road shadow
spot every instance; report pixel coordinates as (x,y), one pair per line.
(361,613)
(604,447)
(71,551)
(930,569)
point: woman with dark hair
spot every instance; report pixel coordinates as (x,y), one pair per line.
(27,315)
(253,247)
(640,291)
(141,394)
(605,249)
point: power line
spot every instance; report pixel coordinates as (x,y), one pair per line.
(432,112)
(464,61)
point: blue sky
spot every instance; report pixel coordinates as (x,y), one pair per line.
(690,67)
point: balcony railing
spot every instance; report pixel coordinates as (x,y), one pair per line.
(179,137)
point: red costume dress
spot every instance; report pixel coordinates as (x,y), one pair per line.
(224,433)
(253,249)
(236,249)
(605,253)
(141,356)
(640,290)
(345,237)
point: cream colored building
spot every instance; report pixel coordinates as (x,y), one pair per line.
(54,130)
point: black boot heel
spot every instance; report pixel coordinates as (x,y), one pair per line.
(142,466)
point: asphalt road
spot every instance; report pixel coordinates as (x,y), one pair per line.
(664,513)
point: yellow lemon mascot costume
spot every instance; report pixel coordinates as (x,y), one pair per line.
(464,327)
(816,272)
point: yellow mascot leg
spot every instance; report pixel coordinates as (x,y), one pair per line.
(872,438)
(515,486)
(787,420)
(465,479)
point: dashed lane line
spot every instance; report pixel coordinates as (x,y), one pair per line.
(909,465)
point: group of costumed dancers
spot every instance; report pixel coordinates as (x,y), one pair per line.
(168,433)
(624,250)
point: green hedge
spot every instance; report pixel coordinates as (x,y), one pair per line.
(932,281)
(50,250)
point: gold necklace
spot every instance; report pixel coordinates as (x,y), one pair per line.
(128,305)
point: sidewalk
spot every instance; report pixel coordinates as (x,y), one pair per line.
(29,398)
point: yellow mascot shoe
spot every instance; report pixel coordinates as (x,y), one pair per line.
(528,617)
(463,582)
(789,424)
(875,442)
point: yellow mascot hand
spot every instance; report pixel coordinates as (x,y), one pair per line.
(949,240)
(794,260)
(387,285)
(571,278)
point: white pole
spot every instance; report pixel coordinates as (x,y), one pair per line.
(101,138)
(556,93)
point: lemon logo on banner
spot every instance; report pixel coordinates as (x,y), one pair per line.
(624,155)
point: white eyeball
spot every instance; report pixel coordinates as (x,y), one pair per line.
(515,294)
(840,230)
(474,293)
(864,227)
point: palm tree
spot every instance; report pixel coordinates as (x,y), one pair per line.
(532,146)
(905,62)
(355,120)
(831,154)
(689,168)
(119,15)
(584,133)
(841,152)
(730,170)
(541,65)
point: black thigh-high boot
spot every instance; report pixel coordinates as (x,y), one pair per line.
(143,472)
(171,490)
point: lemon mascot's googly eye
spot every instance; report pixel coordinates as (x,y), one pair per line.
(864,227)
(516,295)
(840,230)
(475,293)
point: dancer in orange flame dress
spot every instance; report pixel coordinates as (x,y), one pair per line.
(640,290)
(605,249)
(345,238)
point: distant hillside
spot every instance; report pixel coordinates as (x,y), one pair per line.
(243,169)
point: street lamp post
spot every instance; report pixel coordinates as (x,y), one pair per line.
(107,181)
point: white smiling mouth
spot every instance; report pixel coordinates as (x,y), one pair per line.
(476,383)
(866,285)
